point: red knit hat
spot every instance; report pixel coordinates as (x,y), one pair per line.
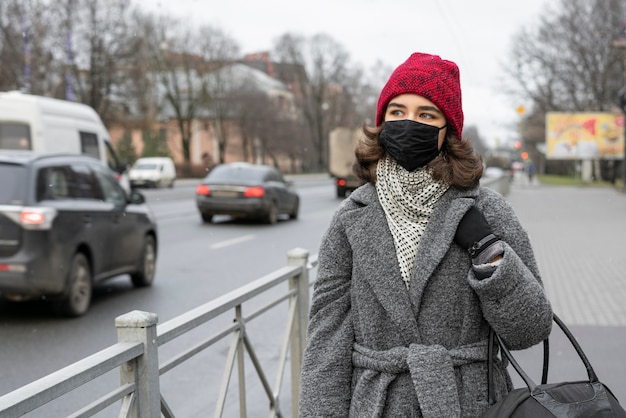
(431,77)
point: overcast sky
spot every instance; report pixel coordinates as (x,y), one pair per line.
(476,34)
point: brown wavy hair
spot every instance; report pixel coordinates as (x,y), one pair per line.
(457,163)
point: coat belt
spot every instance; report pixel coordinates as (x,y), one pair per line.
(431,368)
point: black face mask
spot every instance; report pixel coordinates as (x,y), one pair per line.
(412,144)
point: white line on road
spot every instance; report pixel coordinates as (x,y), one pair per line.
(233,241)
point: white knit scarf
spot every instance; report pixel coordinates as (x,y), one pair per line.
(408,199)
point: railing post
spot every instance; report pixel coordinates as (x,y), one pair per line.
(298,257)
(138,326)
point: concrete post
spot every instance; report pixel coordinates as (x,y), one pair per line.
(298,257)
(138,326)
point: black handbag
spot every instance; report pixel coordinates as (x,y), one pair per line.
(587,398)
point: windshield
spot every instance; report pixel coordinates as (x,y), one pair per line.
(12,190)
(145,166)
(237,172)
(15,135)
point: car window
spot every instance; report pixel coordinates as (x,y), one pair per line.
(12,190)
(85,185)
(89,144)
(112,191)
(75,181)
(237,172)
(274,176)
(112,159)
(145,166)
(15,136)
(53,183)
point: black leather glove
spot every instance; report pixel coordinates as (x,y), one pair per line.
(475,235)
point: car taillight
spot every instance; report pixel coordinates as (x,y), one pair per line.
(203,189)
(17,268)
(32,217)
(256,191)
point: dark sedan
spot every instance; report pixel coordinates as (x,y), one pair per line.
(244,190)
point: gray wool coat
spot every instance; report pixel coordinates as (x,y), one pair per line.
(377,349)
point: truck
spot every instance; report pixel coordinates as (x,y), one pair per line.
(47,125)
(341,144)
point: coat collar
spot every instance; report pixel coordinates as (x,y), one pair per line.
(370,230)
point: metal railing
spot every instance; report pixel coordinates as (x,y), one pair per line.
(500,184)
(136,353)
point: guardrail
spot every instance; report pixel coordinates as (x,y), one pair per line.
(500,184)
(136,353)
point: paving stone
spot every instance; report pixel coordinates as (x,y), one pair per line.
(579,238)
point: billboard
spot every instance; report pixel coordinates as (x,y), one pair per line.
(584,135)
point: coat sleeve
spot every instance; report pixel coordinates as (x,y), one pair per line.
(327,363)
(513,298)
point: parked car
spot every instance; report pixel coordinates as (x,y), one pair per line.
(66,224)
(153,172)
(246,190)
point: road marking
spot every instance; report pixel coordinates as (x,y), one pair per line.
(233,241)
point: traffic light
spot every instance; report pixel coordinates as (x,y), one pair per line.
(524,155)
(518,144)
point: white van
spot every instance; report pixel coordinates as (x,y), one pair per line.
(47,125)
(152,172)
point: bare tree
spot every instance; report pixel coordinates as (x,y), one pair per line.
(567,63)
(220,51)
(254,110)
(27,46)
(99,47)
(139,100)
(265,115)
(364,88)
(323,90)
(185,61)
(11,46)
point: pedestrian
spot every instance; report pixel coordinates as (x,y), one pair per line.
(416,266)
(530,168)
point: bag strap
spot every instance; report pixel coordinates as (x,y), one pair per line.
(490,357)
(546,358)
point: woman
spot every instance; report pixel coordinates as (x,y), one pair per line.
(416,266)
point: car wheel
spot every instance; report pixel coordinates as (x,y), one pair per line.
(294,213)
(272,214)
(206,217)
(145,275)
(78,295)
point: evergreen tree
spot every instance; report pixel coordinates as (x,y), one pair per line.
(126,150)
(154,145)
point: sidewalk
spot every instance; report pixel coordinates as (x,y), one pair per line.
(579,238)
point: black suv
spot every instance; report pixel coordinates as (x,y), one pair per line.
(65,224)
